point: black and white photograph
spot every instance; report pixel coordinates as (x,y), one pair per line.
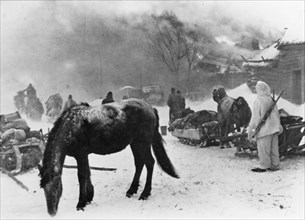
(152,109)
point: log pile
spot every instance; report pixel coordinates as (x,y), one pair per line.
(193,120)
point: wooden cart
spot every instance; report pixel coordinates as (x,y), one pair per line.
(16,157)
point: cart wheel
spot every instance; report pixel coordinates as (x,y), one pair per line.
(18,160)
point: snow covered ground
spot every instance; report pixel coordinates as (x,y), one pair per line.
(213,184)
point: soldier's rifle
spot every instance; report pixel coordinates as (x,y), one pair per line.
(234,136)
(263,120)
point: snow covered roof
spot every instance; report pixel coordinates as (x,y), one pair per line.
(293,35)
(263,57)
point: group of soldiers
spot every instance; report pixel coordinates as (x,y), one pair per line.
(176,103)
(27,102)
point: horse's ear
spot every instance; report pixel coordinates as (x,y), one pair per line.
(239,102)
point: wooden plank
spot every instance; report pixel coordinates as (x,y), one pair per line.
(19,183)
(92,168)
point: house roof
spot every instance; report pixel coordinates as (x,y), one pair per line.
(263,57)
(293,35)
(214,62)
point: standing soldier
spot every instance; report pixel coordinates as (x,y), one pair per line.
(267,136)
(31,100)
(69,103)
(173,103)
(30,91)
(224,117)
(181,101)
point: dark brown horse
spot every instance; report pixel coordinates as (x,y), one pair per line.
(241,113)
(105,129)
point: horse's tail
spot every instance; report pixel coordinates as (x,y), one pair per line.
(159,151)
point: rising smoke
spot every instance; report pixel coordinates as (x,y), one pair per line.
(87,48)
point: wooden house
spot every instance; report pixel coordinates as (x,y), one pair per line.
(281,65)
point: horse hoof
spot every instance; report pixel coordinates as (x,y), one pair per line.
(80,208)
(142,197)
(131,191)
(128,195)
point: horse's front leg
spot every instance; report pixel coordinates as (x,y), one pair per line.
(82,173)
(90,188)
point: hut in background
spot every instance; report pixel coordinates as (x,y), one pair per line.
(281,65)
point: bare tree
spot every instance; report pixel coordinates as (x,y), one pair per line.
(166,42)
(191,49)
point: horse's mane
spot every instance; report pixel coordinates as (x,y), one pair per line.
(46,172)
(63,115)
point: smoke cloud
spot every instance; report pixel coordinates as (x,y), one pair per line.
(87,48)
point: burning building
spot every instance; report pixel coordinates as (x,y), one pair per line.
(281,65)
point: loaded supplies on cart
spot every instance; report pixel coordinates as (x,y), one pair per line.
(20,147)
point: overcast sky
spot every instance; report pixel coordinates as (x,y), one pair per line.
(278,13)
(17,14)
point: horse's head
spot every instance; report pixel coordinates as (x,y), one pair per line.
(51,169)
(52,185)
(240,112)
(59,139)
(238,104)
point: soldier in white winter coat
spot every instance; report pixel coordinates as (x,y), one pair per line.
(267,137)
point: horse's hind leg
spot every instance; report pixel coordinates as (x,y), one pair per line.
(139,164)
(82,173)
